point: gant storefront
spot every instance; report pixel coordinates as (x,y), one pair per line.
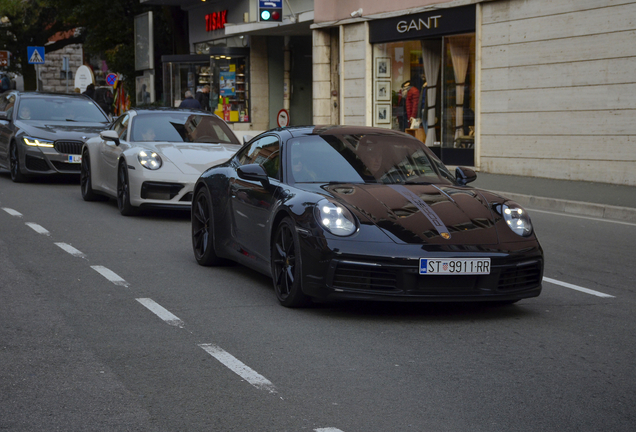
(424,79)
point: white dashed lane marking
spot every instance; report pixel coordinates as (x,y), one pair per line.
(327,430)
(161,312)
(37,228)
(239,368)
(578,288)
(12,212)
(70,249)
(110,275)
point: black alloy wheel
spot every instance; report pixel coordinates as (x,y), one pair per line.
(123,192)
(287,266)
(202,230)
(86,183)
(14,164)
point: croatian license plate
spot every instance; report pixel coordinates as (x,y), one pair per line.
(74,158)
(460,266)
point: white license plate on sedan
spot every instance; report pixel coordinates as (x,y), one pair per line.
(456,266)
(74,158)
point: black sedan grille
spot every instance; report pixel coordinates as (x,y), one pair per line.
(520,277)
(354,276)
(69,147)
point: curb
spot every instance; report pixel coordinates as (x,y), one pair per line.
(601,211)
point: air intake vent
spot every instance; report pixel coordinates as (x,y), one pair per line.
(36,164)
(354,276)
(524,276)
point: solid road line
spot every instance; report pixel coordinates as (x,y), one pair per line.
(161,312)
(110,275)
(239,368)
(578,288)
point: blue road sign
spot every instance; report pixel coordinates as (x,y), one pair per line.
(35,55)
(270,4)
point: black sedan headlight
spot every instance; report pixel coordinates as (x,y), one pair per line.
(517,219)
(335,218)
(37,142)
(150,160)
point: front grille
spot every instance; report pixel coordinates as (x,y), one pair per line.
(63,166)
(69,147)
(353,276)
(36,164)
(523,276)
(160,191)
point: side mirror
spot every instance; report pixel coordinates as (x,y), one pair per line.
(110,135)
(247,138)
(254,172)
(465,175)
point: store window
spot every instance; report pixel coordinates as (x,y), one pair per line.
(229,88)
(426,89)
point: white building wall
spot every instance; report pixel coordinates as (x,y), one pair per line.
(355,71)
(558,89)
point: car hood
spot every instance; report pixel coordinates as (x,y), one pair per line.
(421,214)
(53,130)
(194,158)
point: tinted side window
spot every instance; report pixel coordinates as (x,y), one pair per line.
(265,152)
(121,126)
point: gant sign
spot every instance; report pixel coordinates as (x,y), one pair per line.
(438,22)
(430,22)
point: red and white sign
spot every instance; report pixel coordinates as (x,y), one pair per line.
(282,118)
(215,20)
(4,58)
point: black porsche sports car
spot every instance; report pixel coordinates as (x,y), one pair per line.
(344,212)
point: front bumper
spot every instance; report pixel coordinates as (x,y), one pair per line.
(161,189)
(64,158)
(392,274)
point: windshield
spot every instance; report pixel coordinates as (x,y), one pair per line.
(387,159)
(181,127)
(73,109)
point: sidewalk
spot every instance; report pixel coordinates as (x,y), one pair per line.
(598,200)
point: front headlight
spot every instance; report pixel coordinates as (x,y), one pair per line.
(37,142)
(335,218)
(150,160)
(516,217)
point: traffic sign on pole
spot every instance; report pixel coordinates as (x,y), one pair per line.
(35,55)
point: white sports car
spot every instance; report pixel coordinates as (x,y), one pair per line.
(153,158)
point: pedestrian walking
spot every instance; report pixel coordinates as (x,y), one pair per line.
(189,101)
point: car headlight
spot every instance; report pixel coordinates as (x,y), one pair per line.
(37,142)
(335,218)
(517,218)
(150,160)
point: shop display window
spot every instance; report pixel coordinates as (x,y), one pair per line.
(229,88)
(426,88)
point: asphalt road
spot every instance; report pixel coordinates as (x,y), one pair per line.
(108,324)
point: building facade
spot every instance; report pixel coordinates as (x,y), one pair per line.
(527,87)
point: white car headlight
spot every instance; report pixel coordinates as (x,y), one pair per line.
(516,218)
(335,218)
(37,142)
(150,160)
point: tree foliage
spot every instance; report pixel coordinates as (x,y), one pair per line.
(104,27)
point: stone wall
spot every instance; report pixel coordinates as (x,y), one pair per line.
(50,71)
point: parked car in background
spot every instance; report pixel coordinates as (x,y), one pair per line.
(348,212)
(153,157)
(42,133)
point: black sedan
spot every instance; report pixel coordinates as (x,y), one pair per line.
(343,212)
(43,133)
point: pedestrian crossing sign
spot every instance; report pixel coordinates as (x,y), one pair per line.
(35,55)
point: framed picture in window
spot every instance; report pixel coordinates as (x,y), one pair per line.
(383,67)
(382,113)
(383,90)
